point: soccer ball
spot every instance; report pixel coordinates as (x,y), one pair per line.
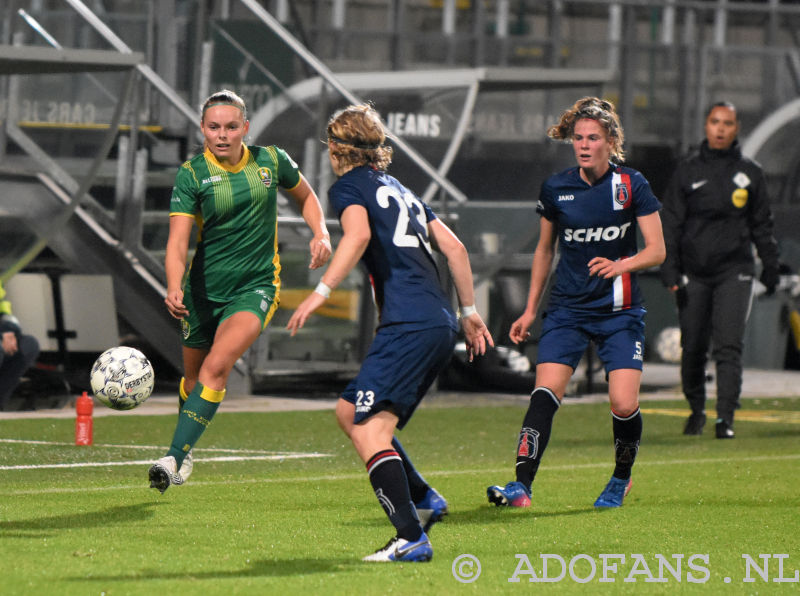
(122,378)
(668,344)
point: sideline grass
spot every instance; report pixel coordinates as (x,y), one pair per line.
(301,525)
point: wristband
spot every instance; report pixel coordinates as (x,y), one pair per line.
(323,290)
(468,310)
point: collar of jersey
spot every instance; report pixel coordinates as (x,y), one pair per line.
(232,169)
(612,168)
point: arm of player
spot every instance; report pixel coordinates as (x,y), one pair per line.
(320,244)
(475,332)
(356,237)
(540,271)
(180,230)
(652,254)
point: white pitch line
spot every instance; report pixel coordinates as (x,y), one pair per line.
(151,447)
(360,476)
(143,462)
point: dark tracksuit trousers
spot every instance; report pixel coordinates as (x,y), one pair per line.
(714,312)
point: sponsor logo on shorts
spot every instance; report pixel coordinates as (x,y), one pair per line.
(264,305)
(364,401)
(185,328)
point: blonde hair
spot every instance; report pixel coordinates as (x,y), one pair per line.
(225,97)
(356,137)
(592,108)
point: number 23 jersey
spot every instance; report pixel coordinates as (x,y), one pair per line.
(591,221)
(398,258)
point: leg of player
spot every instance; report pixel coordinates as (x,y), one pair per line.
(431,506)
(188,462)
(534,435)
(623,386)
(234,335)
(372,439)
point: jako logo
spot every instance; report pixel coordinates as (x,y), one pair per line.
(566,197)
(596,234)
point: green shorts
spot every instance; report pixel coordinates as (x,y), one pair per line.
(200,326)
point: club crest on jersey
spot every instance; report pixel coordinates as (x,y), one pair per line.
(266,176)
(621,189)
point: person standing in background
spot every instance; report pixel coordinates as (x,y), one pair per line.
(715,209)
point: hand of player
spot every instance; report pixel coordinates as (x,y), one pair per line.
(299,317)
(175,306)
(605,268)
(476,335)
(519,329)
(320,247)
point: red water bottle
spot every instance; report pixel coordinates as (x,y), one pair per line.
(83,423)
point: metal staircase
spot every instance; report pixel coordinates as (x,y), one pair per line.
(43,200)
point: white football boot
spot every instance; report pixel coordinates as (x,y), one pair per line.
(187,466)
(163,473)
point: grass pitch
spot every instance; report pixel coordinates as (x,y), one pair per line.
(280,503)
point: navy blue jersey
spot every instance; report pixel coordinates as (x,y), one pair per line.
(591,221)
(399,258)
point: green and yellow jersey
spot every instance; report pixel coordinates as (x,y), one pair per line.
(236,211)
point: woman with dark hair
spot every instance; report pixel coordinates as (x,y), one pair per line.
(715,209)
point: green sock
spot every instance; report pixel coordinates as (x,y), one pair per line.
(194,417)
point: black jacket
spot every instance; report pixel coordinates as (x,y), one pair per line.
(715,208)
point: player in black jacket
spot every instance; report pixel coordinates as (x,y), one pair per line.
(715,209)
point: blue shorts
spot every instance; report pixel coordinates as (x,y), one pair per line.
(619,337)
(398,370)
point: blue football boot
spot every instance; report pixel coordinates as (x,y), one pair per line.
(614,492)
(431,509)
(402,550)
(513,494)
